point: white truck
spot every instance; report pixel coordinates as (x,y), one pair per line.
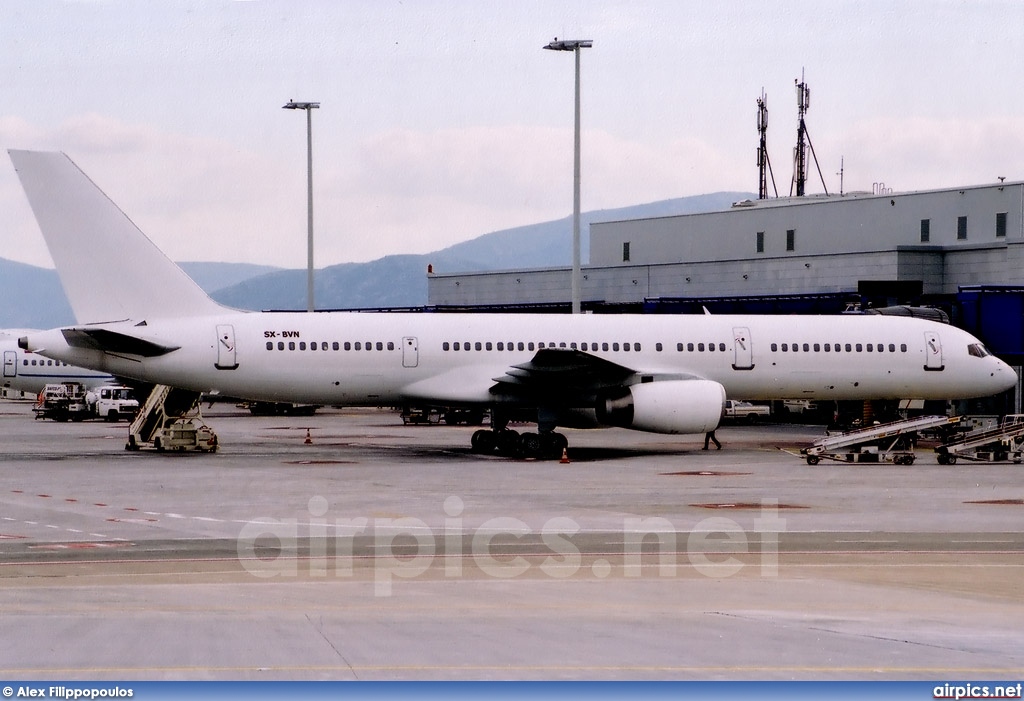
(112,403)
(745,411)
(71,401)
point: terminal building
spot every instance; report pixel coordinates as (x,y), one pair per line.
(959,249)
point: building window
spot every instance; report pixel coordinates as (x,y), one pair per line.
(1000,224)
(625,251)
(790,239)
(760,242)
(926,230)
(961,228)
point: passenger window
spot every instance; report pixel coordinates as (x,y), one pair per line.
(700,347)
(817,347)
(573,345)
(478,346)
(615,346)
(892,347)
(501,345)
(520,346)
(302,345)
(291,345)
(488,346)
(336,346)
(391,345)
(903,348)
(828,347)
(312,346)
(721,347)
(848,348)
(380,345)
(679,347)
(280,345)
(530,345)
(270,345)
(860,348)
(871,348)
(689,347)
(625,347)
(369,345)
(775,347)
(445,346)
(657,347)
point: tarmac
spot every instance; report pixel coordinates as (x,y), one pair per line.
(384,551)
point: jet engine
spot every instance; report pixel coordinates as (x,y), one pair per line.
(668,406)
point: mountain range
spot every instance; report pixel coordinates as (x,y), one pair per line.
(33,298)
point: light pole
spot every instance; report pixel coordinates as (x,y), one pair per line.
(575,45)
(309,107)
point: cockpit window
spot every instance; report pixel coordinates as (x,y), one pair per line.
(978,350)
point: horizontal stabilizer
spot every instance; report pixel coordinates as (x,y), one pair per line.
(114,342)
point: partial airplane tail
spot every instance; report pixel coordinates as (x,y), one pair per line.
(109,269)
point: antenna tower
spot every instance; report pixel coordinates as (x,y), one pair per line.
(803,141)
(764,164)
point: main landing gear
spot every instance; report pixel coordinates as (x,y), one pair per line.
(545,445)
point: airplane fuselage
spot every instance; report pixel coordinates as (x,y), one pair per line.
(383,359)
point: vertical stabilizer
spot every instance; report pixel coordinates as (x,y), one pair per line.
(109,269)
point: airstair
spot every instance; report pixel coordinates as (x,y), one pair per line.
(994,445)
(171,419)
(888,442)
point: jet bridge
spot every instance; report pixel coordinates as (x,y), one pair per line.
(888,442)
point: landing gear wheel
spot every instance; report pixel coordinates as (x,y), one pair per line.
(508,442)
(483,441)
(813,459)
(532,445)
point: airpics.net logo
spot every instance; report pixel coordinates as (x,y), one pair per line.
(504,547)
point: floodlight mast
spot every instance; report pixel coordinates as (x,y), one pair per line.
(308,107)
(575,45)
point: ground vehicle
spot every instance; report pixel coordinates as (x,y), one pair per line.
(745,411)
(171,420)
(112,403)
(63,401)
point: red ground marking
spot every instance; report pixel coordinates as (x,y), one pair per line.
(999,502)
(79,546)
(132,520)
(44,496)
(72,501)
(17,491)
(130,508)
(748,505)
(319,462)
(99,504)
(704,473)
(8,536)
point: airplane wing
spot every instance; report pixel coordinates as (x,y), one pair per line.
(114,342)
(561,373)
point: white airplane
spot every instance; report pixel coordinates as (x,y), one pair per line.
(660,373)
(28,372)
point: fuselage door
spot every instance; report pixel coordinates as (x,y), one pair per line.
(410,352)
(226,356)
(743,353)
(10,363)
(933,352)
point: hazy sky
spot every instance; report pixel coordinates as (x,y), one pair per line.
(442,121)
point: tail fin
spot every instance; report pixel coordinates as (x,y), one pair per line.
(109,269)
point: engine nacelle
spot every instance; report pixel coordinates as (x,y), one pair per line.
(668,406)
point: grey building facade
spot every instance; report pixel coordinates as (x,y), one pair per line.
(932,242)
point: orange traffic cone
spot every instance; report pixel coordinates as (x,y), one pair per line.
(309,438)
(565,457)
